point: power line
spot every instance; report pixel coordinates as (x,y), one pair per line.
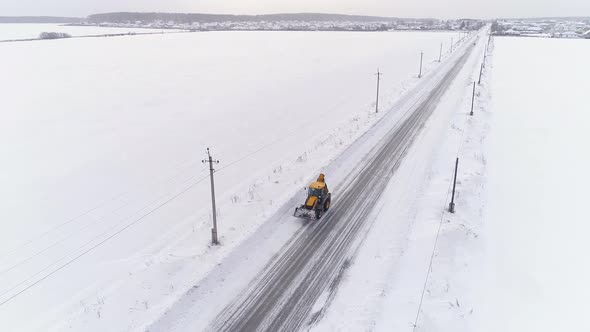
(71,234)
(176,196)
(282,137)
(435,243)
(91,248)
(87,212)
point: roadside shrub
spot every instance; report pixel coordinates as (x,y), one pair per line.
(53,35)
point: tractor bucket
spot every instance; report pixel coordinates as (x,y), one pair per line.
(303,213)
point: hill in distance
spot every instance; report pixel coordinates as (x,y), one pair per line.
(39,19)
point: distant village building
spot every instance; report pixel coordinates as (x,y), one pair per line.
(512,32)
(569,34)
(565,28)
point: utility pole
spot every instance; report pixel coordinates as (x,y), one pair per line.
(421,57)
(440,54)
(210,160)
(472,99)
(451,45)
(480,72)
(378,80)
(452,204)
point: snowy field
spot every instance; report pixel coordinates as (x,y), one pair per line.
(105,194)
(10,31)
(536,223)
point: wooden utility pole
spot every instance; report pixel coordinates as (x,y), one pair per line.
(472,99)
(480,72)
(452,204)
(378,81)
(440,54)
(421,57)
(210,160)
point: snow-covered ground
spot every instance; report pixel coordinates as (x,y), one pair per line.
(104,194)
(536,223)
(105,210)
(12,31)
(512,258)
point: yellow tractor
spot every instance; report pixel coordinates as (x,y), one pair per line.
(318,200)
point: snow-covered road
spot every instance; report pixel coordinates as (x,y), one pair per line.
(294,287)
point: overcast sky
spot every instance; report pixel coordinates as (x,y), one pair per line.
(398,8)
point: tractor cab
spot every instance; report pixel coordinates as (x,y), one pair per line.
(318,189)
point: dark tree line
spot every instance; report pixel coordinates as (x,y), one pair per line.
(128,17)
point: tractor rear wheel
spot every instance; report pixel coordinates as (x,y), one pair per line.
(327,203)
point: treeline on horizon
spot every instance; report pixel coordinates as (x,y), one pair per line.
(126,17)
(187,18)
(39,19)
